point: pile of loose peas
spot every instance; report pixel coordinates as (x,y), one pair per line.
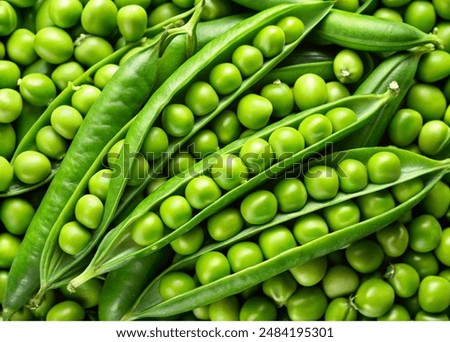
(240,184)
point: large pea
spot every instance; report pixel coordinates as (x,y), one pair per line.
(309,227)
(259,207)
(50,143)
(285,142)
(315,128)
(92,49)
(16,214)
(244,254)
(211,266)
(310,90)
(307,304)
(341,215)
(173,284)
(394,239)
(311,272)
(270,40)
(376,203)
(276,240)
(340,281)
(53,45)
(442,251)
(201,98)
(364,256)
(132,22)
(225,224)
(8,18)
(403,278)
(99,17)
(254,111)
(19,47)
(374,297)
(321,182)
(291,194)
(202,191)
(10,72)
(256,154)
(384,167)
(188,243)
(405,126)
(73,237)
(229,171)
(352,175)
(258,308)
(280,288)
(11,105)
(66,121)
(89,211)
(433,137)
(147,229)
(32,167)
(175,211)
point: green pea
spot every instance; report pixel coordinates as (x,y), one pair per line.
(92,49)
(104,75)
(428,100)
(383,167)
(315,128)
(258,308)
(10,72)
(353,175)
(89,211)
(8,18)
(67,310)
(175,211)
(256,154)
(19,47)
(286,141)
(426,316)
(180,162)
(396,313)
(292,27)
(132,22)
(434,294)
(227,127)
(226,309)
(11,105)
(291,194)
(66,73)
(254,111)
(340,309)
(248,59)
(225,224)
(394,239)
(420,14)
(53,45)
(173,284)
(16,214)
(154,184)
(8,137)
(189,242)
(425,233)
(87,294)
(84,97)
(202,191)
(99,183)
(280,288)
(269,40)
(437,201)
(374,297)
(204,142)
(341,215)
(336,91)
(3,282)
(177,120)
(229,171)
(202,313)
(9,247)
(309,227)
(163,12)
(405,190)
(388,13)
(32,167)
(433,137)
(99,17)
(321,182)
(307,304)
(244,254)
(147,229)
(201,98)
(341,117)
(340,281)
(155,143)
(50,143)
(311,272)
(280,96)
(275,240)
(442,250)
(66,13)
(376,203)
(259,207)
(310,90)
(225,78)
(425,263)
(6,172)
(348,66)
(73,237)
(364,256)
(434,66)
(211,266)
(403,278)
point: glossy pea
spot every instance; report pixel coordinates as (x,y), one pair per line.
(163,12)
(147,229)
(155,143)
(425,263)
(67,310)
(341,117)
(404,191)
(92,49)
(383,167)
(309,227)
(53,45)
(374,204)
(341,215)
(225,224)
(173,284)
(315,128)
(291,194)
(9,137)
(226,126)
(229,171)
(254,111)
(204,142)
(50,143)
(8,18)
(73,237)
(340,281)
(258,308)
(281,97)
(434,66)
(403,278)
(280,288)
(434,294)
(285,142)
(292,27)
(437,201)
(188,243)
(89,211)
(84,97)
(7,173)
(352,174)
(394,239)
(180,162)
(86,294)
(175,211)
(225,78)
(275,240)
(99,183)
(211,266)
(9,247)
(132,22)
(364,256)
(66,73)
(405,127)
(270,41)
(428,100)
(177,120)
(16,214)
(104,74)
(257,154)
(10,72)
(348,66)
(425,233)
(433,137)
(307,304)
(19,47)
(32,167)
(248,59)
(66,121)
(244,254)
(374,297)
(99,17)
(340,309)
(321,182)
(66,13)
(442,250)
(202,191)
(311,272)
(336,91)
(11,105)
(201,98)
(226,309)
(420,14)
(310,90)
(259,207)
(426,316)
(396,313)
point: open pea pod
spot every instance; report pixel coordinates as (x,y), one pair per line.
(117,246)
(151,305)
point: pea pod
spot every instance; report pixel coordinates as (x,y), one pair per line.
(116,247)
(219,49)
(151,305)
(133,81)
(401,67)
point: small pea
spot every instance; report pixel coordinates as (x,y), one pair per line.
(434,294)
(155,143)
(147,229)
(53,45)
(394,239)
(403,278)
(10,72)
(281,97)
(73,237)
(341,117)
(66,13)
(259,207)
(180,162)
(84,97)
(256,154)
(254,111)
(50,143)
(309,227)
(315,128)
(425,263)
(286,141)
(9,247)
(225,224)
(89,211)
(188,243)
(19,47)
(336,91)
(173,284)
(384,167)
(321,182)
(275,240)
(442,250)
(211,266)
(437,201)
(340,309)
(66,73)
(202,191)
(66,121)
(226,309)
(32,167)
(404,191)
(175,211)
(91,49)
(204,142)
(270,40)
(244,254)
(99,17)
(227,127)
(425,233)
(104,74)
(396,313)
(248,59)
